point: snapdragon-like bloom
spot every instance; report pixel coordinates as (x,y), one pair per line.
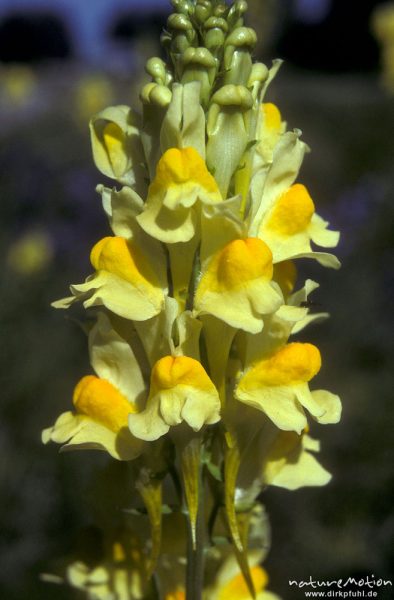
(291,224)
(180,391)
(278,385)
(125,281)
(103,404)
(236,286)
(182,181)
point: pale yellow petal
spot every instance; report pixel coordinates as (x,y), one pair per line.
(330,405)
(114,360)
(305,471)
(78,432)
(116,145)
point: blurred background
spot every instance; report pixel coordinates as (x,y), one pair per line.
(60,62)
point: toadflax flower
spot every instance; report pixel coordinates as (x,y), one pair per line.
(180,390)
(125,281)
(278,386)
(291,224)
(181,183)
(237,287)
(102,404)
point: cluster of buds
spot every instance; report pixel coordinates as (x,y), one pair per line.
(199,382)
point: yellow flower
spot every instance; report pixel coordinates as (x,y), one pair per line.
(18,84)
(125,281)
(236,286)
(180,391)
(278,386)
(102,404)
(31,254)
(92,94)
(172,208)
(291,224)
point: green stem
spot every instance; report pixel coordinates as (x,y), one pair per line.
(195,556)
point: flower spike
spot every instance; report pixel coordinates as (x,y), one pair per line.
(201,389)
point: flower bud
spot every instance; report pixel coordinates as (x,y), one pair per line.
(155,99)
(259,73)
(199,65)
(237,55)
(235,14)
(228,132)
(116,143)
(215,34)
(153,93)
(220,10)
(202,11)
(233,95)
(183,7)
(183,33)
(157,69)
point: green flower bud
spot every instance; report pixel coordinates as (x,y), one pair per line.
(220,10)
(179,22)
(237,55)
(258,74)
(242,37)
(154,93)
(200,56)
(215,34)
(157,69)
(258,77)
(228,132)
(234,96)
(199,65)
(202,11)
(235,14)
(155,99)
(183,33)
(183,7)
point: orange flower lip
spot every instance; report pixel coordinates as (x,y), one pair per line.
(122,258)
(171,371)
(180,166)
(292,364)
(293,211)
(101,401)
(244,260)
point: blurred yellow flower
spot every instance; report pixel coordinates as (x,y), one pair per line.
(31,253)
